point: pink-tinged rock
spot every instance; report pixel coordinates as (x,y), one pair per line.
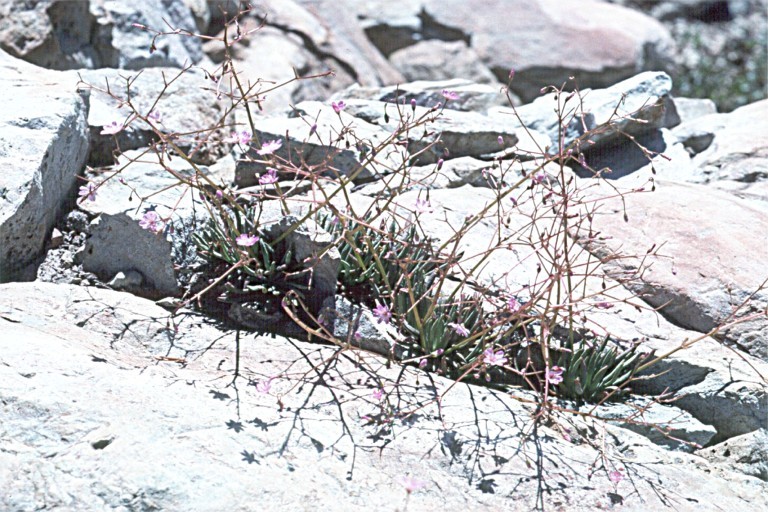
(739,148)
(441,60)
(710,254)
(545,41)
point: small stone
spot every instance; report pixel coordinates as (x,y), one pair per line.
(56,238)
(130,279)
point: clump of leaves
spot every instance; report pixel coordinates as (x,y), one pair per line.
(253,272)
(403,267)
(595,371)
(375,261)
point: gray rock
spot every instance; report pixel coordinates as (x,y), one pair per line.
(295,435)
(636,106)
(693,108)
(95,34)
(664,425)
(665,157)
(738,151)
(117,244)
(445,134)
(187,106)
(545,42)
(137,184)
(308,149)
(473,96)
(130,280)
(695,291)
(747,453)
(43,147)
(433,59)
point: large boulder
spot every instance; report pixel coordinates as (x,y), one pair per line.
(545,41)
(705,251)
(43,147)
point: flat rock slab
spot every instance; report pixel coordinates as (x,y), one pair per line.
(710,250)
(106,405)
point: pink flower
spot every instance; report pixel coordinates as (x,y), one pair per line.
(513,305)
(412,484)
(511,74)
(440,164)
(450,95)
(423,206)
(88,191)
(459,329)
(151,222)
(538,177)
(378,394)
(500,140)
(112,128)
(604,305)
(246,240)
(423,363)
(156,116)
(269,178)
(338,107)
(382,313)
(263,386)
(494,358)
(244,138)
(270,147)
(615,476)
(555,375)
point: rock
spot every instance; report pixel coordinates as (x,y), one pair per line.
(56,239)
(711,249)
(738,151)
(148,91)
(201,12)
(472,96)
(545,42)
(117,246)
(343,40)
(435,60)
(296,38)
(129,281)
(309,149)
(636,106)
(689,109)
(68,360)
(664,425)
(447,134)
(92,34)
(665,157)
(118,243)
(43,147)
(747,453)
